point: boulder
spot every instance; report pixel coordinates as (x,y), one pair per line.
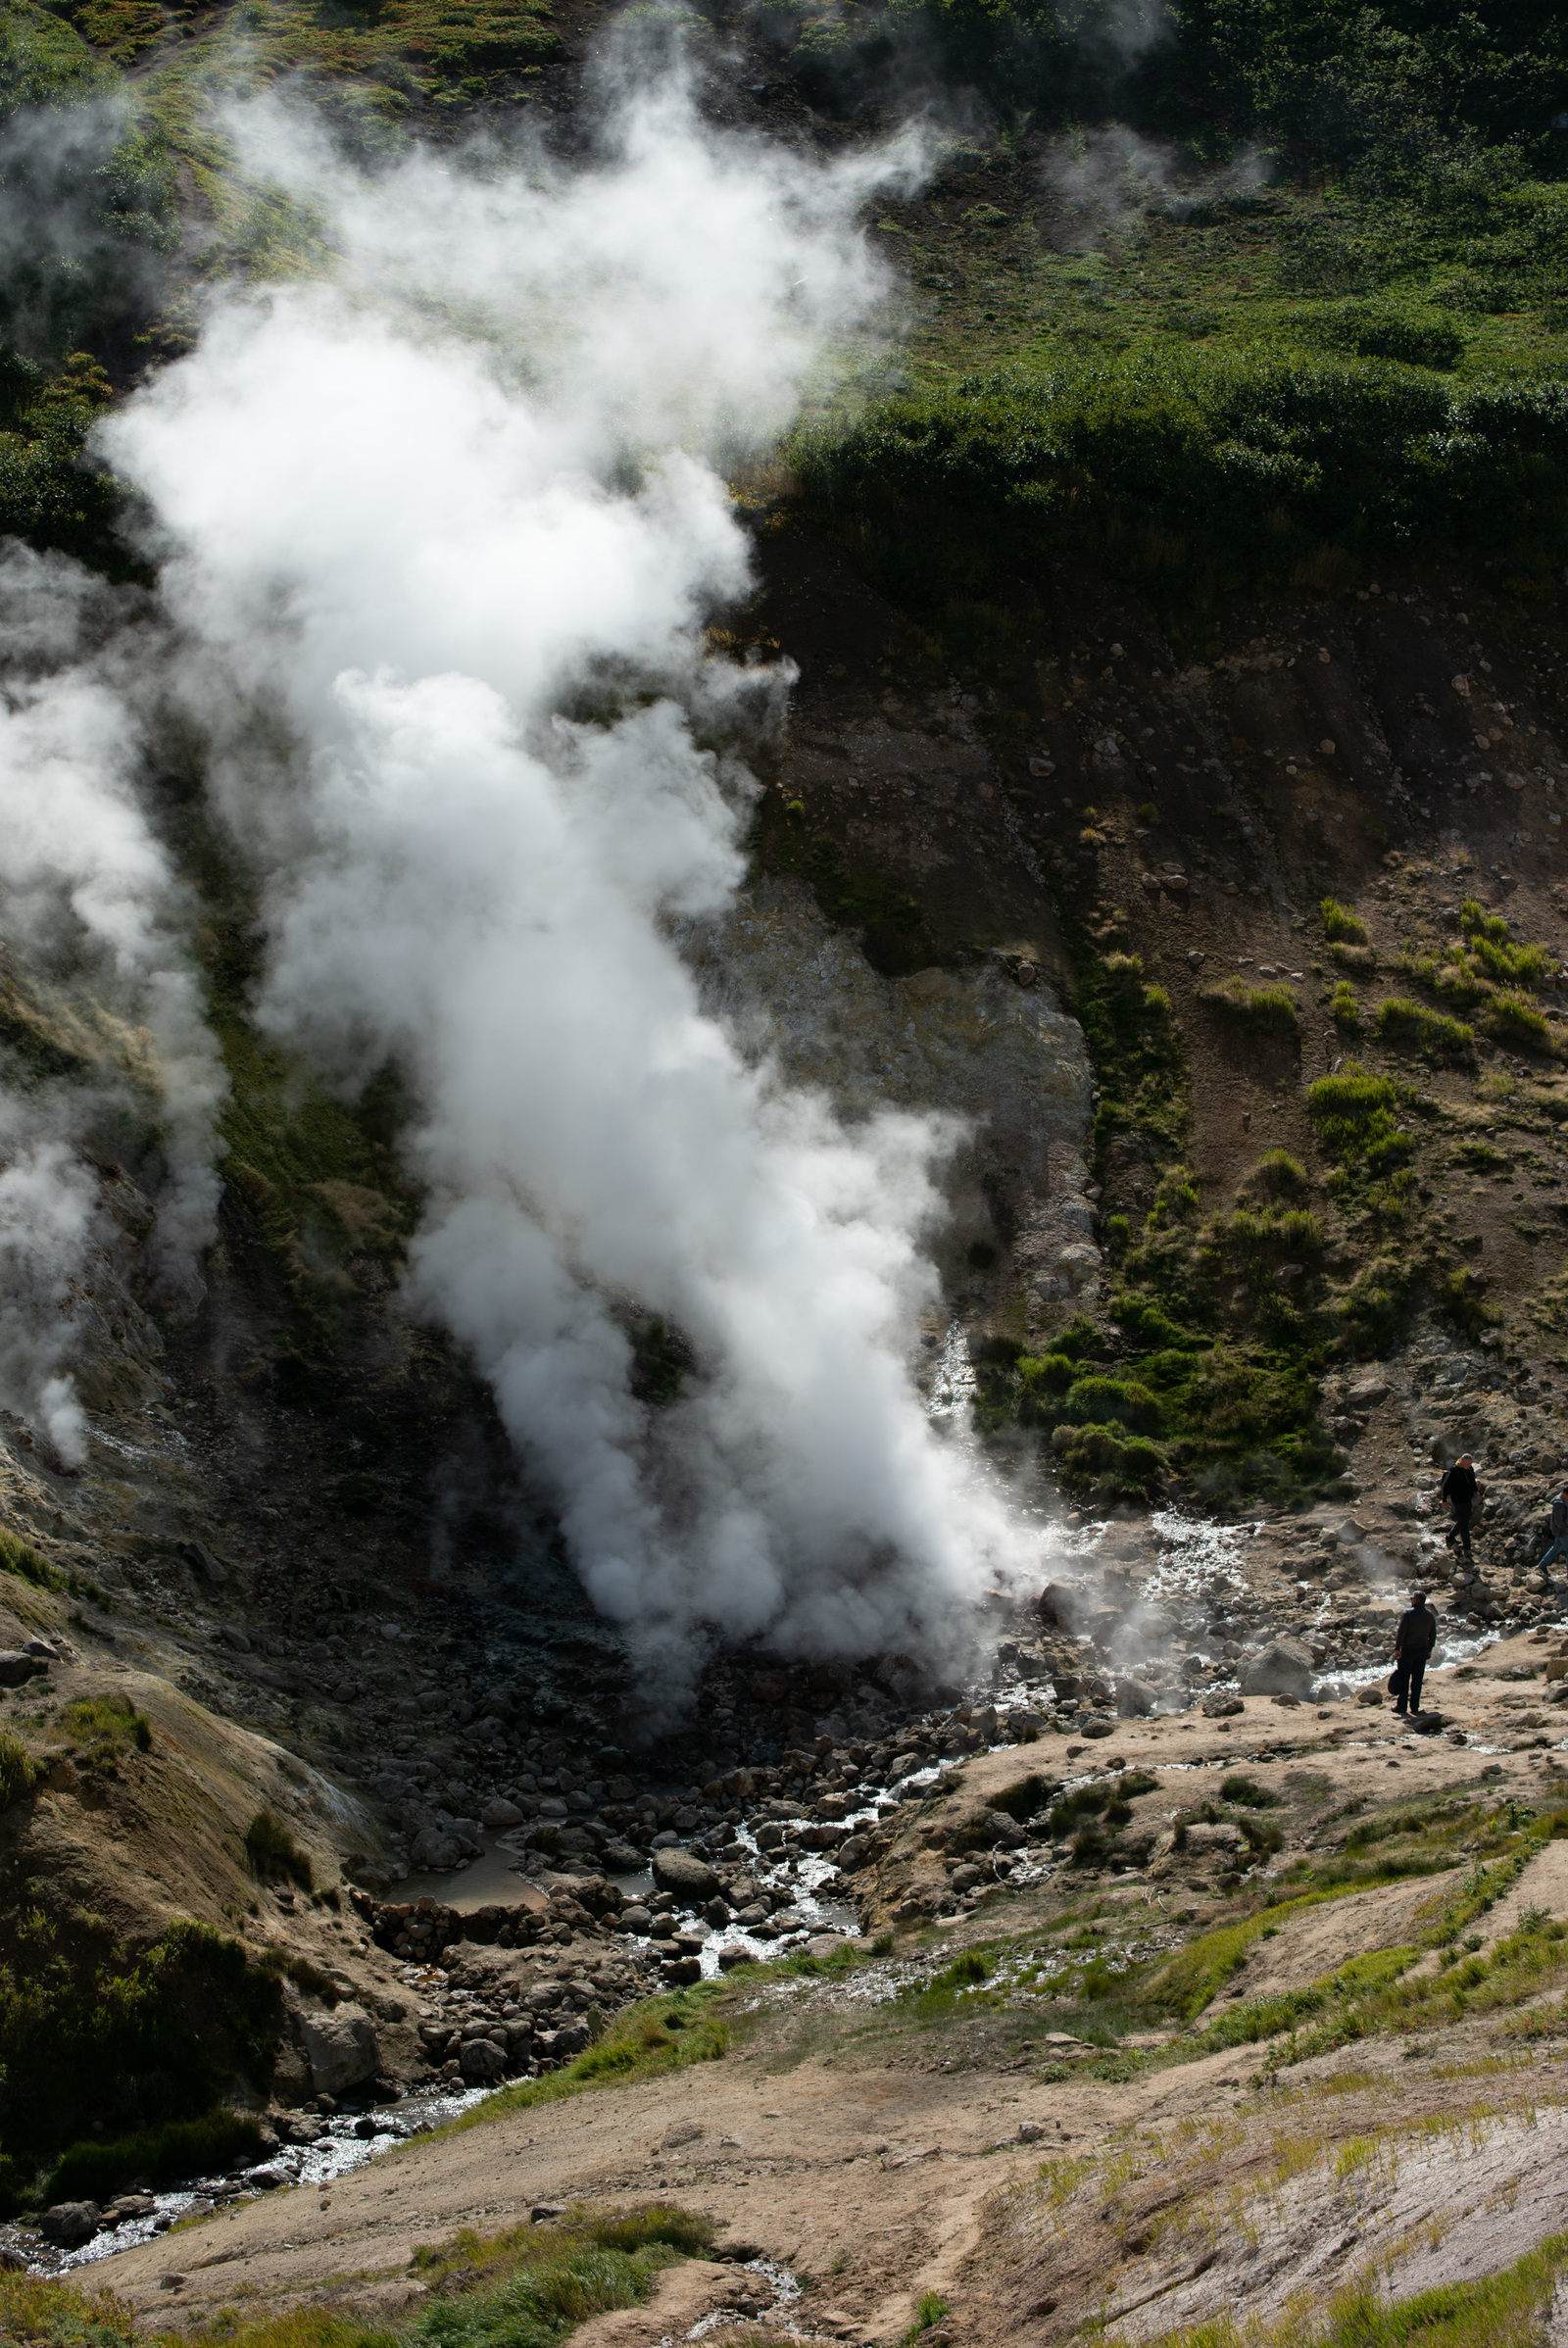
(1284,1667)
(199,1557)
(432,1846)
(1221,1706)
(690,1880)
(69,2224)
(481,2060)
(15,1669)
(1368,1393)
(501,1813)
(1135,1698)
(1218,1838)
(340,2047)
(1098,1725)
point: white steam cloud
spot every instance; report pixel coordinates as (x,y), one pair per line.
(1111,177)
(88,890)
(410,511)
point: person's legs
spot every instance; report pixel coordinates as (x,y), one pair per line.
(1401,1683)
(1461,1525)
(1418,1671)
(1559,1549)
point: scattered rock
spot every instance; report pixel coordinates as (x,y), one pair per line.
(501,1813)
(340,2047)
(690,1879)
(684,2131)
(1099,1725)
(1284,1667)
(1221,1706)
(480,2059)
(69,2224)
(16,1668)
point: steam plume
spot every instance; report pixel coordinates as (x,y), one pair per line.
(413,510)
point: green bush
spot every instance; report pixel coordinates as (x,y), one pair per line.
(95,2039)
(1462,1296)
(1266,1011)
(1123,1399)
(1340,924)
(162,2155)
(1238,465)
(1402,1021)
(1343,1009)
(20,1557)
(1279,1175)
(1511,1019)
(18,1771)
(271,1850)
(1116,1465)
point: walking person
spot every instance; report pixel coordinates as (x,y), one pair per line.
(1459,1492)
(1558,1529)
(1413,1643)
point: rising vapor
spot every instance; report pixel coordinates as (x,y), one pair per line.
(405,514)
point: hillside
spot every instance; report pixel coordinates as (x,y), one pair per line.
(762,889)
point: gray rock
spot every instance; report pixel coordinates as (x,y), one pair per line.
(1284,1667)
(14,1670)
(69,2224)
(199,1557)
(481,2060)
(729,1958)
(432,1846)
(1220,1707)
(1135,1698)
(1097,1725)
(233,1636)
(966,1879)
(1220,1837)
(572,2037)
(684,2131)
(691,1880)
(340,2048)
(854,1851)
(1368,1393)
(635,1920)
(683,1970)
(501,1813)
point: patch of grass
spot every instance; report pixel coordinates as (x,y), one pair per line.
(1246,1790)
(1463,1299)
(1343,1007)
(20,1770)
(1262,1010)
(1108,1462)
(1278,1175)
(105,1729)
(530,2286)
(1401,1021)
(929,2310)
(1507,2310)
(1339,924)
(20,1557)
(661,2033)
(271,1851)
(163,2154)
(93,2037)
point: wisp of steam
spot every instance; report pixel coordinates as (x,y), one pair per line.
(406,514)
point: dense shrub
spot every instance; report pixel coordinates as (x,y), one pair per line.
(18,1771)
(95,2037)
(1240,466)
(1402,1021)
(1265,1010)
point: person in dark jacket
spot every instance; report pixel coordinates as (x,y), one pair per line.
(1559,1529)
(1413,1643)
(1459,1492)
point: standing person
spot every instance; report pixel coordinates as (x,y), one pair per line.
(1559,1529)
(1413,1643)
(1459,1492)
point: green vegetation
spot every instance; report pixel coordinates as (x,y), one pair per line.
(271,1850)
(1511,2307)
(1240,467)
(1265,1010)
(662,2034)
(1339,924)
(95,2037)
(1401,1021)
(180,2148)
(1343,1009)
(105,1729)
(525,2288)
(20,1771)
(929,2310)
(20,1557)
(1488,972)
